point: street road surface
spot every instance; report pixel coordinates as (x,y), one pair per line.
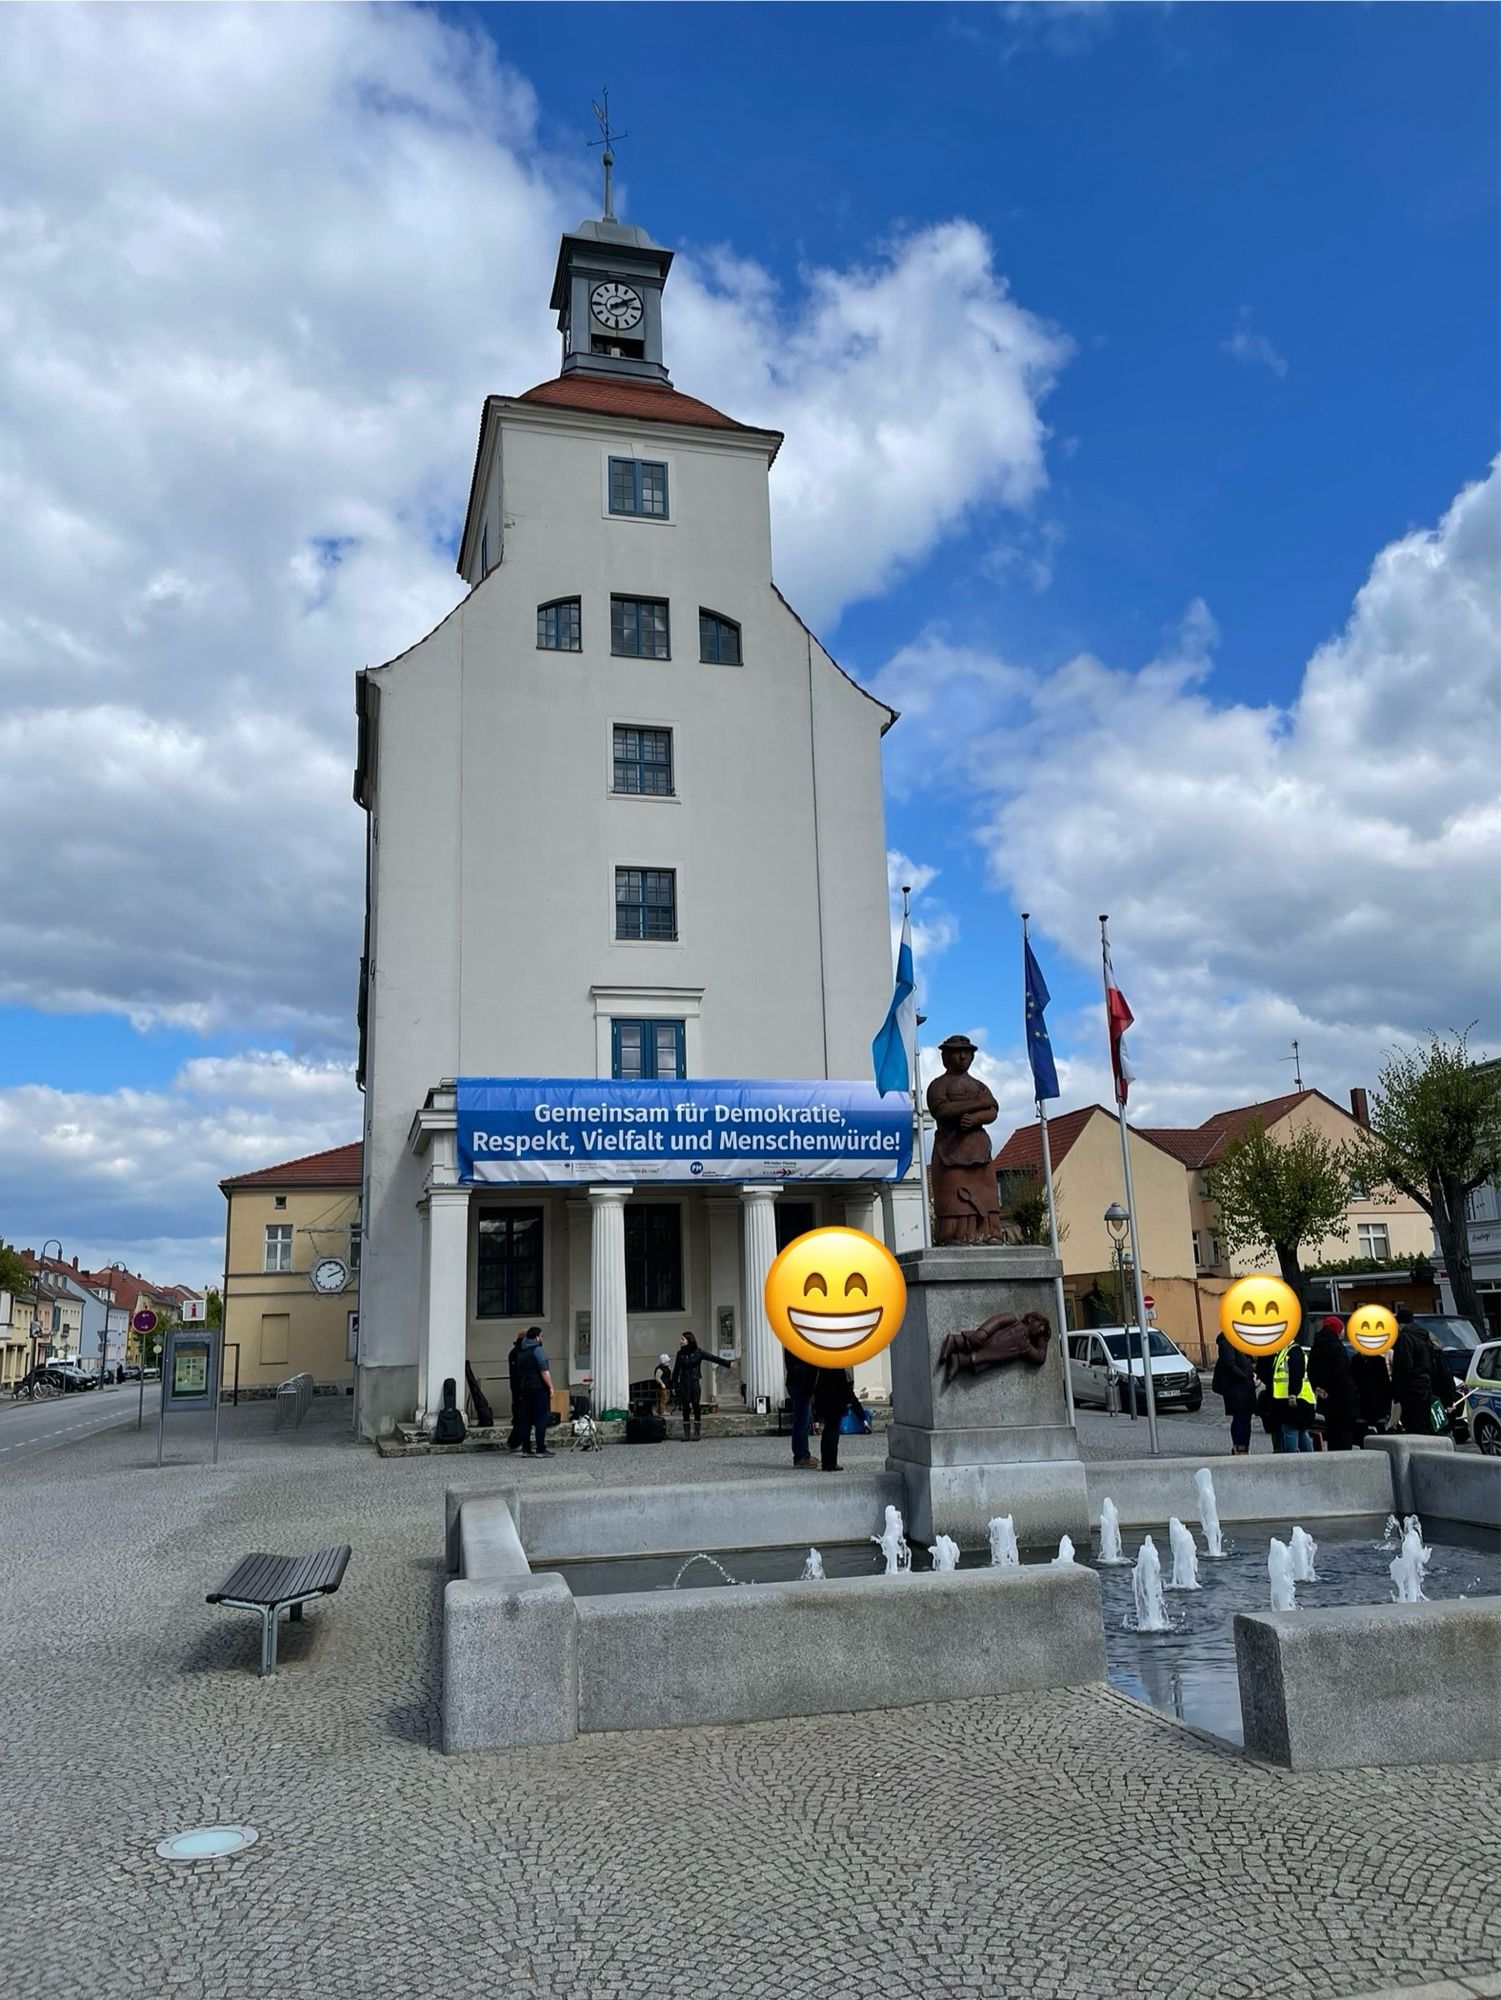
(28,1428)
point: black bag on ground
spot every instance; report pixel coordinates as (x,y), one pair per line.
(645,1429)
(450,1427)
(484,1416)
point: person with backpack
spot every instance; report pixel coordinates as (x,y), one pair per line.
(1415,1382)
(687,1382)
(534,1379)
(513,1371)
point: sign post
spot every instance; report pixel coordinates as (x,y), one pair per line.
(190,1377)
(144,1322)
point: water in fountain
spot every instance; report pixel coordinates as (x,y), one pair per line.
(1411,1525)
(1003,1549)
(1110,1535)
(893,1544)
(1407,1569)
(945,1553)
(1185,1557)
(1304,1549)
(1065,1556)
(1279,1569)
(1391,1534)
(702,1558)
(1146,1588)
(813,1568)
(1209,1513)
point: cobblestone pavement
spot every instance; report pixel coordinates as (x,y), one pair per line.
(1070,1846)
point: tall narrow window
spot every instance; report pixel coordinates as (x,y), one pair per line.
(653,1257)
(508,1277)
(643,760)
(646,903)
(356,1243)
(638,627)
(646,1050)
(558,625)
(638,486)
(278,1247)
(718,639)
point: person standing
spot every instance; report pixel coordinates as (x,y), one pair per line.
(662,1377)
(833,1394)
(1234,1382)
(1413,1373)
(518,1418)
(687,1382)
(1334,1384)
(802,1379)
(1373,1389)
(1293,1398)
(536,1393)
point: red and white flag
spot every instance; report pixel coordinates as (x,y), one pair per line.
(1118,1017)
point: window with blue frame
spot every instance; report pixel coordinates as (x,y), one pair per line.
(643,760)
(718,639)
(646,1050)
(638,627)
(653,1257)
(559,626)
(638,486)
(646,903)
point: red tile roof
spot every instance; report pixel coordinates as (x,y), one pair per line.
(1024,1147)
(340,1166)
(651,401)
(1201,1145)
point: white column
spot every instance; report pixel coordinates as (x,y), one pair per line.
(762,1351)
(447,1293)
(607,1326)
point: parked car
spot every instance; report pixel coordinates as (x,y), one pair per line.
(128,1371)
(1483,1397)
(69,1376)
(1456,1337)
(1097,1359)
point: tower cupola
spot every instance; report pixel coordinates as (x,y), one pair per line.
(607,291)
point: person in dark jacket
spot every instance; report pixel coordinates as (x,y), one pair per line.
(518,1420)
(833,1394)
(1373,1388)
(534,1379)
(1267,1407)
(1234,1382)
(687,1382)
(1414,1372)
(662,1377)
(1334,1384)
(802,1378)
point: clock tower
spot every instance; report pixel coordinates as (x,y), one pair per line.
(608,297)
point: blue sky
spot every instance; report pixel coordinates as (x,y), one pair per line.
(1193,626)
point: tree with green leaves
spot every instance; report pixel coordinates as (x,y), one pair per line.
(1026,1208)
(1435,1133)
(213,1307)
(1277,1194)
(15,1275)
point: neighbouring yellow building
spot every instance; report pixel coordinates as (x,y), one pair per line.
(291,1270)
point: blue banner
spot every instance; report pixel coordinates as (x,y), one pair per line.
(569,1129)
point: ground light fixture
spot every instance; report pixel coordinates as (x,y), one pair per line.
(207,1843)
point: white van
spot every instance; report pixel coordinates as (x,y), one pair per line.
(1098,1358)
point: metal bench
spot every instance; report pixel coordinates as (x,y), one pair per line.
(292,1399)
(269,1584)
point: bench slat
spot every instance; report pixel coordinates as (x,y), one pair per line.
(269,1579)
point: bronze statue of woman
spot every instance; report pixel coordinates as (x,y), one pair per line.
(966,1200)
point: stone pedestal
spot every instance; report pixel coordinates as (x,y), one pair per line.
(994,1443)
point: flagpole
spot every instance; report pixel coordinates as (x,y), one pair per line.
(916,1075)
(1047,1182)
(1141,1301)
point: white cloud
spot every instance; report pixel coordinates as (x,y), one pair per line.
(934,927)
(1329,871)
(1253,348)
(257,270)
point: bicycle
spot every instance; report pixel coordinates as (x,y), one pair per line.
(35,1386)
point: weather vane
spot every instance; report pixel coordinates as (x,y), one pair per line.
(607,140)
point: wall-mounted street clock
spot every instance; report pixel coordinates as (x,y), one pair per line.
(330,1274)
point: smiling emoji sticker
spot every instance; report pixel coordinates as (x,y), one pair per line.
(1371,1330)
(835,1297)
(1259,1314)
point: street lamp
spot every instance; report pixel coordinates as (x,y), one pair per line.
(1117,1222)
(36,1319)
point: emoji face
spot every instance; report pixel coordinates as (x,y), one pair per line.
(1371,1329)
(835,1297)
(1260,1315)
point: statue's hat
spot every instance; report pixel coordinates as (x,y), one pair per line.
(958,1042)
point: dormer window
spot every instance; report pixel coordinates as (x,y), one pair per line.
(718,639)
(638,486)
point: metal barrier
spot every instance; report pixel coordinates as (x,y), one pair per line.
(292,1399)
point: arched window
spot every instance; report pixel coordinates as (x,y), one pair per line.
(718,638)
(558,626)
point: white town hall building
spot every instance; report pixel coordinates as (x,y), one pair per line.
(625,847)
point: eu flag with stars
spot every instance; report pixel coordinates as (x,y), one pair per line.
(1039,1048)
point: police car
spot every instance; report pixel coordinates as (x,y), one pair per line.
(1483,1397)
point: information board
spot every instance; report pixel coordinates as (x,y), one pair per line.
(190,1369)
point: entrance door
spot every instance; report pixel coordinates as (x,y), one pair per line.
(794,1218)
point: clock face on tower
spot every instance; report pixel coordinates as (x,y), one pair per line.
(618,307)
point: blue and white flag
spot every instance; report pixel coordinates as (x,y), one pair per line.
(893,1049)
(1039,1048)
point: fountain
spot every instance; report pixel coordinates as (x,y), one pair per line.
(813,1568)
(893,1544)
(1279,1569)
(1185,1557)
(1146,1588)
(1065,1555)
(1003,1549)
(1110,1536)
(945,1553)
(1304,1549)
(702,1558)
(1407,1568)
(1209,1513)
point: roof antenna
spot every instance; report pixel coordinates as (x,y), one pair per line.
(607,140)
(1297,1065)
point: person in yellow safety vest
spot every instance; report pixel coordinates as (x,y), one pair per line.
(1292,1392)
